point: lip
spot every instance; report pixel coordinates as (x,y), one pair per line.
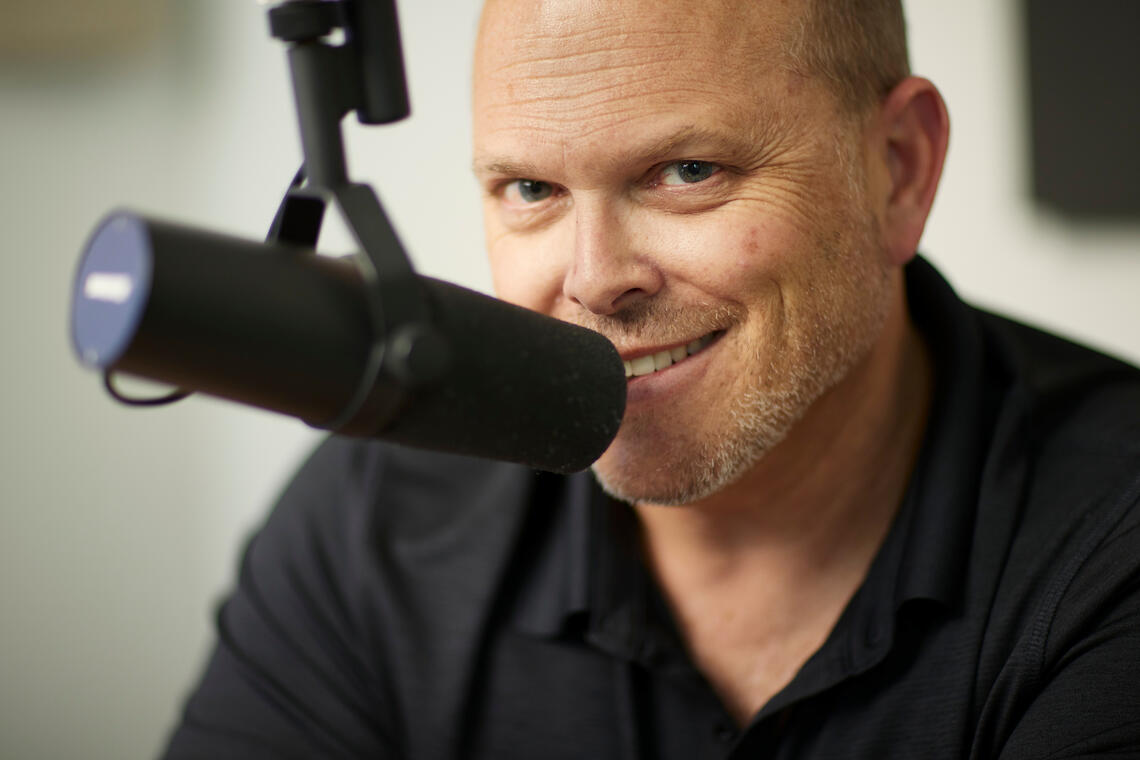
(638,353)
(672,378)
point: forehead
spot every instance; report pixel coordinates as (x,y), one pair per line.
(565,72)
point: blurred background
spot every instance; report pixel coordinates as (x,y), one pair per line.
(120,529)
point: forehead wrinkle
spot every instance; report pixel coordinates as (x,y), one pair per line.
(646,92)
(544,50)
(587,82)
(533,50)
(656,108)
(649,95)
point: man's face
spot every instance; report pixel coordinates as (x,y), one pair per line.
(653,170)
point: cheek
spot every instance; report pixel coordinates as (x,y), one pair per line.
(726,255)
(512,274)
(524,270)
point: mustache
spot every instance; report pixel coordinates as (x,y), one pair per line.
(654,322)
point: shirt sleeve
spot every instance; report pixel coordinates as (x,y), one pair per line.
(289,676)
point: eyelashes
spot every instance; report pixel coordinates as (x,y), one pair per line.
(687,172)
(526,193)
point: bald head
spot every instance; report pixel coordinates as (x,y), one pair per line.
(857,48)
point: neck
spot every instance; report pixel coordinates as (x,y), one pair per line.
(819,504)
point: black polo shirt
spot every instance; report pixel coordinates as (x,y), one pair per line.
(402,604)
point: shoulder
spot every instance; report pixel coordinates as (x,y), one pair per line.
(1058,522)
(357,604)
(426,536)
(393,535)
(1070,433)
(1077,415)
(399,552)
(1073,392)
(402,484)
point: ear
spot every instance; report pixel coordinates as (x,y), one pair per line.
(911,132)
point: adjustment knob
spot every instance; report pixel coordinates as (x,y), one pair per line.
(303,20)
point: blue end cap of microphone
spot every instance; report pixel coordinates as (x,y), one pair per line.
(112,288)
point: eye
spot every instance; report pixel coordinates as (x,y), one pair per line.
(529,190)
(687,172)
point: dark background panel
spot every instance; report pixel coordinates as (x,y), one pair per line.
(1084,68)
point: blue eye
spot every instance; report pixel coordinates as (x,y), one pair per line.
(687,172)
(531,190)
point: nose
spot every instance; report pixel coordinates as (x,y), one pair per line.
(608,273)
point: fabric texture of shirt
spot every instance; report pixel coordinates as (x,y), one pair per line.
(404,604)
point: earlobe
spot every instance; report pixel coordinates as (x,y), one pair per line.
(916,128)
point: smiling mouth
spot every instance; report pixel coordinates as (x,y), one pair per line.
(647,365)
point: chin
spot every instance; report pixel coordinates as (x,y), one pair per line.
(648,463)
(686,476)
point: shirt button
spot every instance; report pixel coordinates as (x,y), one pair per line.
(875,633)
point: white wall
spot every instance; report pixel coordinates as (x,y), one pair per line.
(118,528)
(996,245)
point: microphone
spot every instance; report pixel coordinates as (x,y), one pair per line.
(281,328)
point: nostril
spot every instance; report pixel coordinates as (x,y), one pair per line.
(628,298)
(604,301)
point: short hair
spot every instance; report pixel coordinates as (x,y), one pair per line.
(858,47)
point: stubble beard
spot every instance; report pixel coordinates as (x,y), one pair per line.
(848,310)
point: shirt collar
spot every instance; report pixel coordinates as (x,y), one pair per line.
(937,517)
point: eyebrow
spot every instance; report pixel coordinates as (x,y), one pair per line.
(716,141)
(672,144)
(505,167)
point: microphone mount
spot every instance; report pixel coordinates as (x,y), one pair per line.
(364,74)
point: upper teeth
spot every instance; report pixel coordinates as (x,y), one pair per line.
(644,365)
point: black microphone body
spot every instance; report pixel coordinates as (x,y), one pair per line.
(290,331)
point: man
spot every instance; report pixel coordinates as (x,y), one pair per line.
(847,515)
